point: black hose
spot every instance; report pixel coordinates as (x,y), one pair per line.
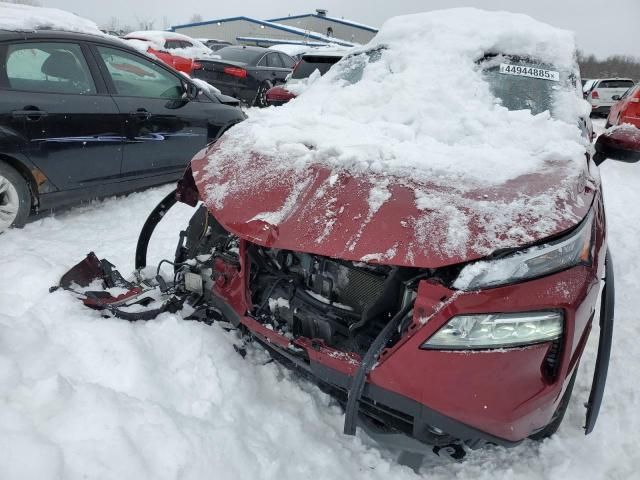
(357,383)
(149,226)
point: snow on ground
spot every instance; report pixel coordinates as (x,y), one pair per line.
(87,397)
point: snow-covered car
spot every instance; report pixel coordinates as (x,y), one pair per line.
(434,262)
(309,68)
(601,93)
(177,50)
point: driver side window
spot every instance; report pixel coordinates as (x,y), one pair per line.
(133,76)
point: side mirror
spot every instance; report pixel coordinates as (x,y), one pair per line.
(618,143)
(191,91)
(616,97)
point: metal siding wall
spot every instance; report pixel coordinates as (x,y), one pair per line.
(340,30)
(239,28)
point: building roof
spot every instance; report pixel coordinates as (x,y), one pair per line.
(331,19)
(286,28)
(280,41)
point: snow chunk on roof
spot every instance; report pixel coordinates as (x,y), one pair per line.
(28,18)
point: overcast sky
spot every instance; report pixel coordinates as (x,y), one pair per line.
(603,27)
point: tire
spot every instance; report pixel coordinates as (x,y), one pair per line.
(261,96)
(558,415)
(15,198)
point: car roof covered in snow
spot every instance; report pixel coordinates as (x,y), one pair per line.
(18,17)
(370,117)
(59,34)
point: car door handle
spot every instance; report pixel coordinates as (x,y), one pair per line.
(141,114)
(30,113)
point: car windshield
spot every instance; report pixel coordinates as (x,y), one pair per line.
(239,54)
(310,63)
(526,84)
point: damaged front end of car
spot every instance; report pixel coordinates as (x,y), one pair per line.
(359,330)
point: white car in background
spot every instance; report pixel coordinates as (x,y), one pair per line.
(601,92)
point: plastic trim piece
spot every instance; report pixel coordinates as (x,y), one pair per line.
(150,224)
(604,346)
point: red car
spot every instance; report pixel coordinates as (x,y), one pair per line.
(436,270)
(174,49)
(627,110)
(319,60)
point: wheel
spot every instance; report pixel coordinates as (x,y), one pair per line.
(15,198)
(261,96)
(558,415)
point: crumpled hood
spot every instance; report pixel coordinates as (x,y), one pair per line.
(386,219)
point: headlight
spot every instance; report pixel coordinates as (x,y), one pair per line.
(497,330)
(566,252)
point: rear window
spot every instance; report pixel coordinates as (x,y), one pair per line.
(308,64)
(177,44)
(238,54)
(615,84)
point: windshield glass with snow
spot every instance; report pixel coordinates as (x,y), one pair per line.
(526,84)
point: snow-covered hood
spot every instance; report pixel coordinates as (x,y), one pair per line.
(370,165)
(387,219)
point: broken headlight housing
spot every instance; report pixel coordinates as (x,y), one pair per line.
(571,250)
(497,330)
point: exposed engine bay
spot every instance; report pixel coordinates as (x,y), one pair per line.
(342,304)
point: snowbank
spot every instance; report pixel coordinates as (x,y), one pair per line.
(27,18)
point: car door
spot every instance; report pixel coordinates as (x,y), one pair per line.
(71,125)
(163,131)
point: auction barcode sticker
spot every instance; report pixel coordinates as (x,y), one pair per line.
(524,71)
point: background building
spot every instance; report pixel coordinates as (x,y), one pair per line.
(334,27)
(314,29)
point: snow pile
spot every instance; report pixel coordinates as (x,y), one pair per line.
(28,18)
(156,39)
(299,85)
(416,106)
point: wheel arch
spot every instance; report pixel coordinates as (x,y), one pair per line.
(26,173)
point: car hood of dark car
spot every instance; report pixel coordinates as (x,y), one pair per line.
(391,220)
